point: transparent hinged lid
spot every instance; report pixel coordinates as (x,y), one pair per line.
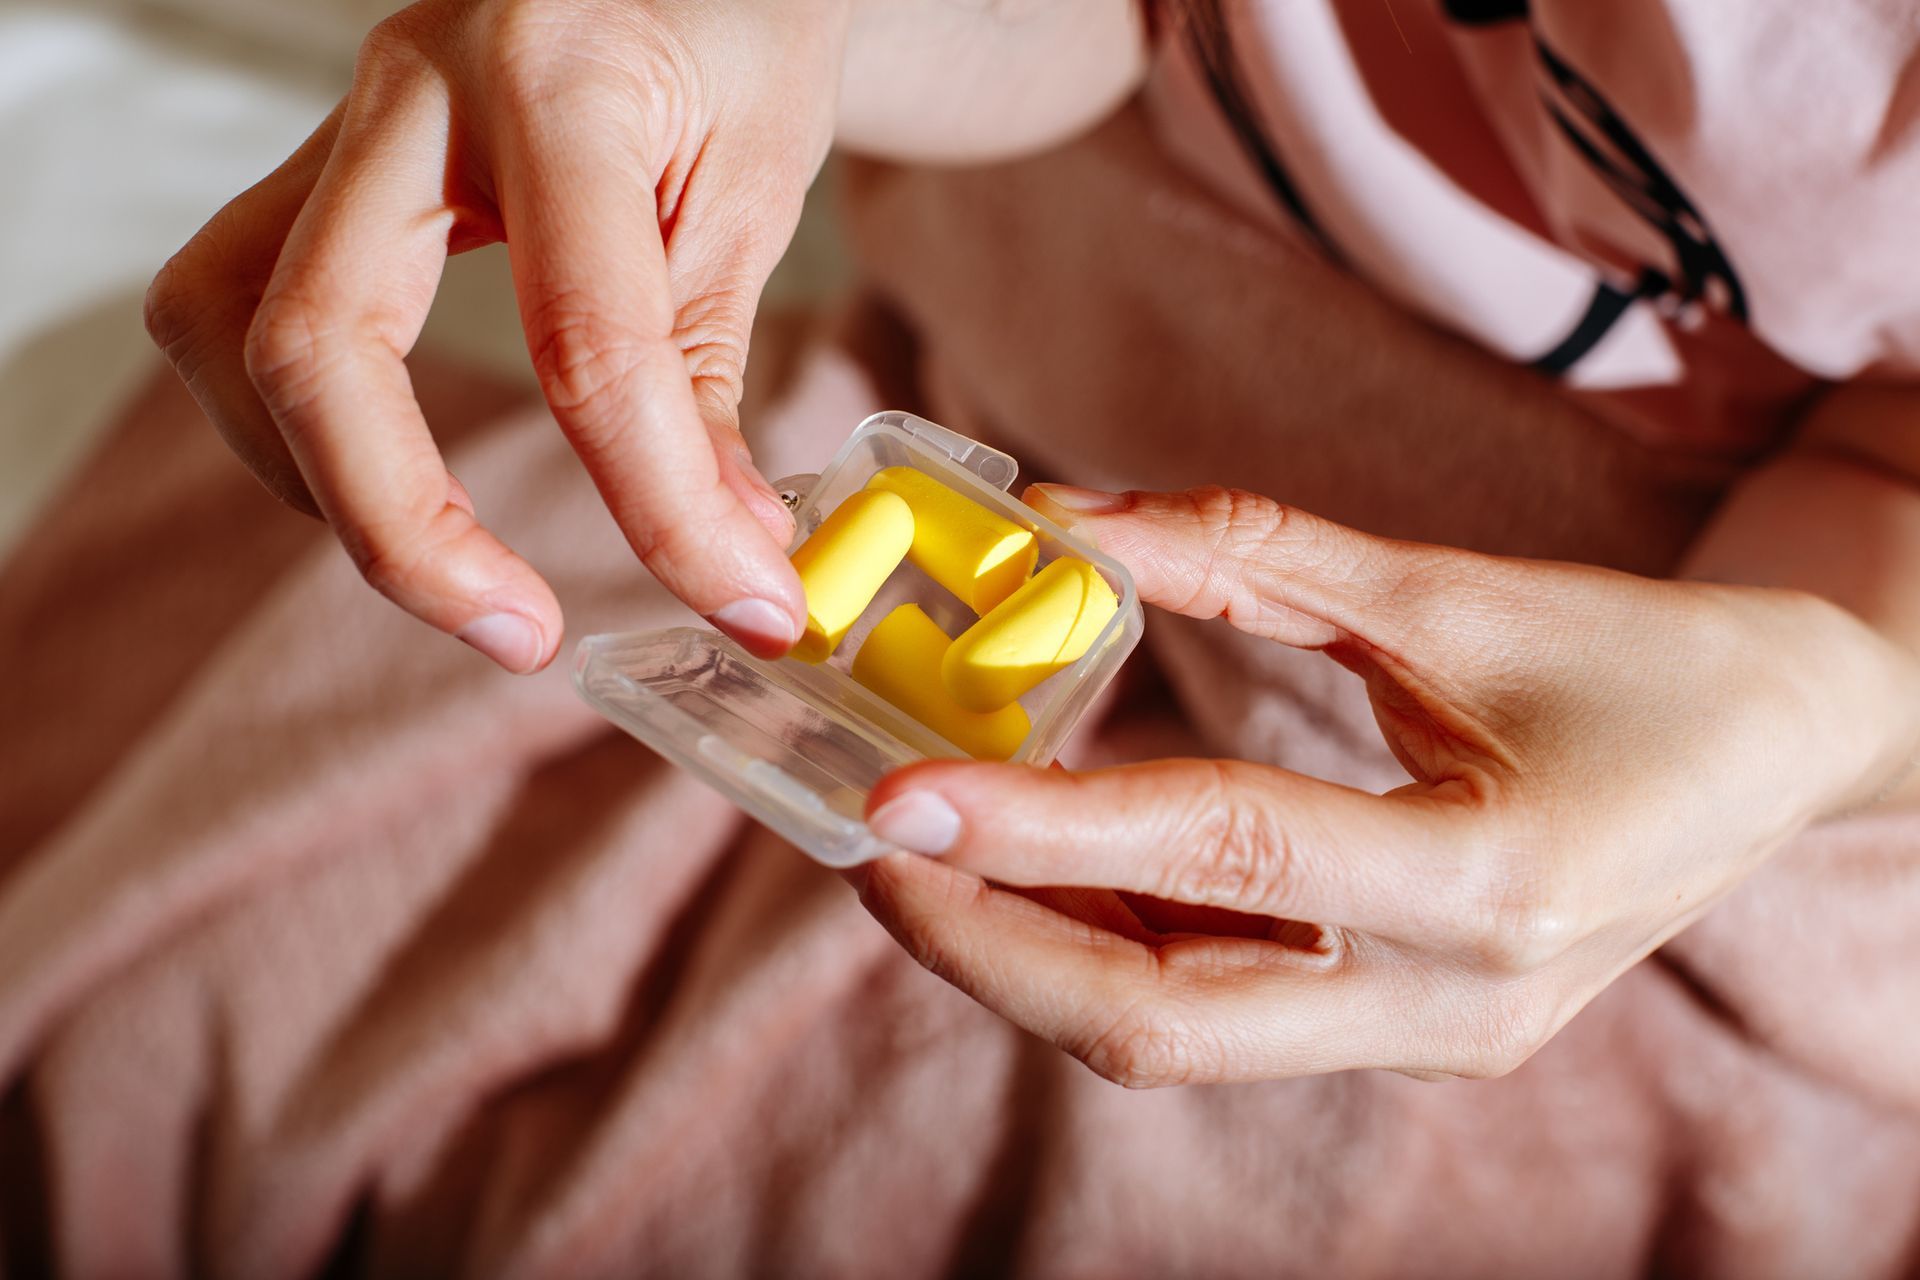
(800,746)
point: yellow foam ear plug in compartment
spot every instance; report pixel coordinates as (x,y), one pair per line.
(845,562)
(900,661)
(1044,626)
(979,556)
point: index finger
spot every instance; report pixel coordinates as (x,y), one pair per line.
(326,353)
(596,300)
(1246,837)
(1269,569)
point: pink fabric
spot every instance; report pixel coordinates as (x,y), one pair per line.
(1439,157)
(322,942)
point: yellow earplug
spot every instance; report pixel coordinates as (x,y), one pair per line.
(900,661)
(979,556)
(845,562)
(1044,626)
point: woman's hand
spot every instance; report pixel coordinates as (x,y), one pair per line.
(1597,759)
(645,160)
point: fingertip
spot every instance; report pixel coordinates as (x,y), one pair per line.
(917,820)
(519,642)
(1040,498)
(1073,501)
(941,807)
(921,775)
(508,638)
(552,633)
(760,626)
(482,593)
(731,572)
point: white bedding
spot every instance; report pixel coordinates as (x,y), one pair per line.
(119,132)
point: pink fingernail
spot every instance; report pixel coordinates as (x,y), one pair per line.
(919,821)
(1090,501)
(509,639)
(761,625)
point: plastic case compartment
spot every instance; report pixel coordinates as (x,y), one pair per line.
(800,746)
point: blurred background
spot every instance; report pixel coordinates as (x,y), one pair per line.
(124,124)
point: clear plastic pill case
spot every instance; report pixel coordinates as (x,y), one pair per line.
(799,746)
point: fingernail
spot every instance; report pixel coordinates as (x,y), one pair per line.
(1090,501)
(509,639)
(919,821)
(761,625)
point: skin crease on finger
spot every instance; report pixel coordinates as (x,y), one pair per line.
(1586,847)
(200,304)
(724,111)
(1579,853)
(714,301)
(721,174)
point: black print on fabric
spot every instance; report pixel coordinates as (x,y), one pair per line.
(1484,13)
(1206,31)
(1701,273)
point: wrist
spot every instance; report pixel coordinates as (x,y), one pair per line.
(1854,699)
(1831,546)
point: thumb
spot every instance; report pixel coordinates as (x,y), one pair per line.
(1271,570)
(720,410)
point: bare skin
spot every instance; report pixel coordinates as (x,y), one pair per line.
(1595,756)
(1597,759)
(645,164)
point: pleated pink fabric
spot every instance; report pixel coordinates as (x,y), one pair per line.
(326,947)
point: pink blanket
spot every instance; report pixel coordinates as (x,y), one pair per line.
(323,944)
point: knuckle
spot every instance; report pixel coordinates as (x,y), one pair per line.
(711,336)
(542,54)
(1529,937)
(1236,521)
(1511,1025)
(168,310)
(415,39)
(522,35)
(1238,532)
(1145,1049)
(190,306)
(1526,926)
(1517,910)
(1233,857)
(389,43)
(283,346)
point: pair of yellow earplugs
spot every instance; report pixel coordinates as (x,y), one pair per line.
(966,689)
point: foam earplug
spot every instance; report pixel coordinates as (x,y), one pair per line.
(1044,626)
(900,660)
(845,562)
(979,556)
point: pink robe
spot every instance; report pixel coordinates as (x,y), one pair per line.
(324,943)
